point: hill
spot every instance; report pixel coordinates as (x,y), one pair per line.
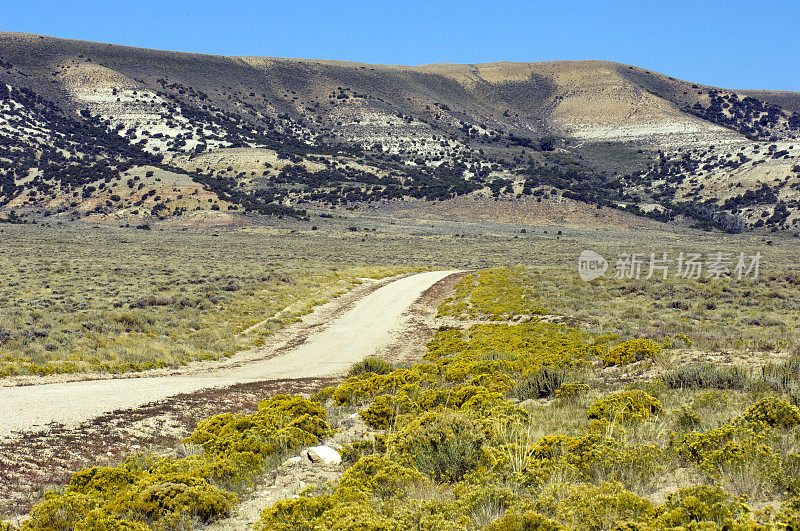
(114,133)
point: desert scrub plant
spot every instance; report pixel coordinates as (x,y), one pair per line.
(290,515)
(488,356)
(353,452)
(594,457)
(376,493)
(540,384)
(740,456)
(787,517)
(773,412)
(593,507)
(361,389)
(631,351)
(625,406)
(379,476)
(175,497)
(522,348)
(370,365)
(494,294)
(441,443)
(572,392)
(382,412)
(702,507)
(60,511)
(686,418)
(521,520)
(707,376)
(783,377)
(281,423)
(99,519)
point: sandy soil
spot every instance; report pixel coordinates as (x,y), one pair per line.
(326,344)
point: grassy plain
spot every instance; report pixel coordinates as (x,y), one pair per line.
(79,298)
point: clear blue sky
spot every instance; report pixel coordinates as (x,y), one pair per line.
(733,44)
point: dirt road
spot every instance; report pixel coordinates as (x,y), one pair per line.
(321,347)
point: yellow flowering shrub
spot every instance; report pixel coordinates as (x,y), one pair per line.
(773,412)
(572,391)
(690,508)
(61,511)
(592,507)
(291,515)
(626,406)
(102,481)
(384,409)
(379,476)
(175,495)
(630,351)
(515,520)
(97,520)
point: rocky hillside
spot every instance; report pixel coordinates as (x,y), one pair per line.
(103,132)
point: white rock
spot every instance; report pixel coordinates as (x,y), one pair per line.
(324,454)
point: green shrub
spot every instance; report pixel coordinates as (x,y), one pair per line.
(373,365)
(282,423)
(594,457)
(380,477)
(686,418)
(381,413)
(543,383)
(178,496)
(707,376)
(783,377)
(629,405)
(788,517)
(294,515)
(99,520)
(630,351)
(442,443)
(102,481)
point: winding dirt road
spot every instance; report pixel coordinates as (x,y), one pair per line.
(326,347)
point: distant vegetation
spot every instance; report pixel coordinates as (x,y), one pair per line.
(755,119)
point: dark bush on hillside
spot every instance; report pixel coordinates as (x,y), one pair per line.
(371,365)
